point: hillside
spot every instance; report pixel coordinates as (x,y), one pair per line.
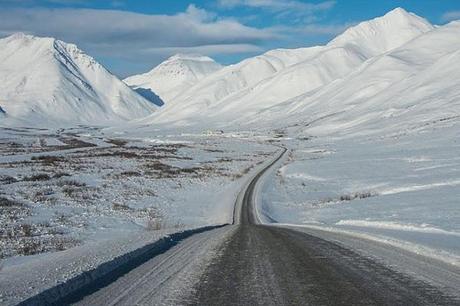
(174,75)
(44,80)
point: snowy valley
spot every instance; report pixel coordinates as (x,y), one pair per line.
(371,122)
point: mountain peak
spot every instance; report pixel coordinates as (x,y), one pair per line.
(176,74)
(21,37)
(398,11)
(401,15)
(47,79)
(384,33)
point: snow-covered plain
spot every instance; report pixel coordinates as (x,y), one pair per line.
(74,198)
(401,190)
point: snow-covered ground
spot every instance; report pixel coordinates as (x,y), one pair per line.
(75,198)
(402,190)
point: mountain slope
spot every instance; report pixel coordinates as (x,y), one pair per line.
(384,33)
(410,87)
(174,75)
(44,79)
(264,81)
(235,78)
(402,91)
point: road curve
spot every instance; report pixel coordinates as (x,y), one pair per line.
(267,265)
(244,212)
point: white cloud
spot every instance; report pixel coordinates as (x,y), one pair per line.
(452,15)
(208,49)
(291,11)
(279,5)
(199,14)
(143,40)
(131,32)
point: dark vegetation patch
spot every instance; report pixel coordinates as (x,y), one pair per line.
(61,174)
(78,192)
(69,142)
(357,195)
(125,174)
(16,164)
(22,238)
(11,211)
(42,196)
(222,160)
(71,183)
(48,160)
(37,177)
(11,148)
(214,150)
(161,170)
(74,142)
(5,202)
(117,142)
(123,154)
(122,207)
(69,191)
(152,152)
(347,197)
(279,133)
(6,179)
(130,173)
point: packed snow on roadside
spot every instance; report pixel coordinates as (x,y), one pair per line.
(401,190)
(72,199)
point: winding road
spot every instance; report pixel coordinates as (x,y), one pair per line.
(267,265)
(249,263)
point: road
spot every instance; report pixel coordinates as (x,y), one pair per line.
(249,263)
(266,265)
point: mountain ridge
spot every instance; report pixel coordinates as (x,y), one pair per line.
(45,79)
(174,75)
(262,82)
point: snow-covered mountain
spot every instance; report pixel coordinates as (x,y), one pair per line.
(240,91)
(413,86)
(393,72)
(47,80)
(382,34)
(174,75)
(368,79)
(234,78)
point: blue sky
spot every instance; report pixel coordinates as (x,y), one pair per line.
(132,36)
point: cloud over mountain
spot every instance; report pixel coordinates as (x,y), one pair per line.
(133,35)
